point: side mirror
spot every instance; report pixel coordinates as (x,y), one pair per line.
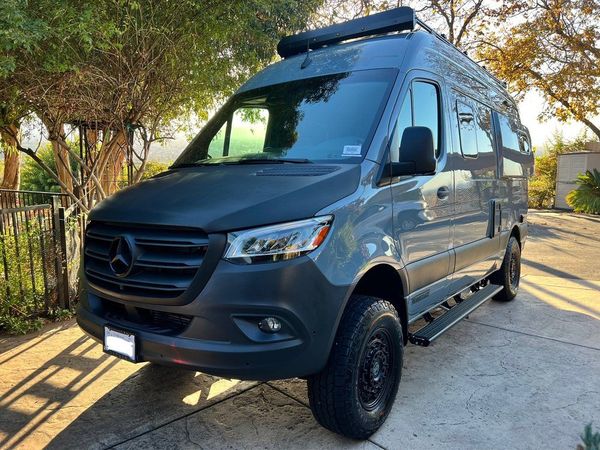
(417,154)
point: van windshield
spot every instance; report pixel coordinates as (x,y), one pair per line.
(323,119)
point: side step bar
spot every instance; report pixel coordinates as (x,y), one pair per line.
(443,323)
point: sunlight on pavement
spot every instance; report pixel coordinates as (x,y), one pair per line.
(565,294)
(45,383)
(48,382)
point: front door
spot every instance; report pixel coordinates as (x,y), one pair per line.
(423,205)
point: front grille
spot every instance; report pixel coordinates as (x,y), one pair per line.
(160,322)
(165,261)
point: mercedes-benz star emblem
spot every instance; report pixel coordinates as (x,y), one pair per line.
(121,256)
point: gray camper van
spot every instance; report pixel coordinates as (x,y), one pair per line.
(371,176)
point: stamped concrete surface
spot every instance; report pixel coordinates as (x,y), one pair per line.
(520,375)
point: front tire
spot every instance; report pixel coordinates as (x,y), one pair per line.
(354,393)
(509,274)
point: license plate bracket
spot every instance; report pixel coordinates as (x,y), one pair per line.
(120,343)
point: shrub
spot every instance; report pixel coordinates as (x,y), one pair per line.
(591,440)
(586,198)
(34,178)
(542,185)
(26,271)
(154,168)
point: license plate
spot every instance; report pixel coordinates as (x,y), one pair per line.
(119,343)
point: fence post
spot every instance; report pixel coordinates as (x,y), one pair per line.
(60,235)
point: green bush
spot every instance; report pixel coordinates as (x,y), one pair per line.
(26,269)
(34,178)
(586,198)
(591,440)
(154,168)
(542,185)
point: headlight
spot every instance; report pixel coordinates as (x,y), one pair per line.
(277,242)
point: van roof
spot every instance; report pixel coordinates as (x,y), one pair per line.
(421,49)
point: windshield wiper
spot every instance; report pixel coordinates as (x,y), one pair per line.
(194,164)
(270,161)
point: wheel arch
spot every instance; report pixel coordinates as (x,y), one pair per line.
(385,282)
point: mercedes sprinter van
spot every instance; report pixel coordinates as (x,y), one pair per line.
(371,176)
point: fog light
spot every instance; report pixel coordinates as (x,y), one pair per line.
(270,325)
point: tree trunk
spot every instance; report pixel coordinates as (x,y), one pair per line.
(63,164)
(12,158)
(111,165)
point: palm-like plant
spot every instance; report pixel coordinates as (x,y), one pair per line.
(586,198)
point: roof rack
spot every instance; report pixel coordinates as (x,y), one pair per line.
(397,19)
(443,39)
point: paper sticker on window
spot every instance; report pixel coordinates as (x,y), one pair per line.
(351,150)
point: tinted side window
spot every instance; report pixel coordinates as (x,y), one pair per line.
(510,149)
(420,107)
(426,109)
(467,131)
(510,139)
(404,121)
(485,142)
(525,146)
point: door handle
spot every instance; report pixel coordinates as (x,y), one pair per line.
(443,192)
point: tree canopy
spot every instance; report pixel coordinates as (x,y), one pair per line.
(552,46)
(126,65)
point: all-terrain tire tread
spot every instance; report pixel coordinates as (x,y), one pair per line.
(502,275)
(325,389)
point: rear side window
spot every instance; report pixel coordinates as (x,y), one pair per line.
(483,125)
(467,130)
(525,146)
(511,149)
(510,139)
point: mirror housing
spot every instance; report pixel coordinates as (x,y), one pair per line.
(417,153)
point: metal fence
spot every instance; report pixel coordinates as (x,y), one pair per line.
(39,253)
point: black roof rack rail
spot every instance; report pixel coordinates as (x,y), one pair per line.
(397,19)
(443,39)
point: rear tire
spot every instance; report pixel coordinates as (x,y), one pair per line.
(509,274)
(354,393)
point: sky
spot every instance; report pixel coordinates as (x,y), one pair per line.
(531,107)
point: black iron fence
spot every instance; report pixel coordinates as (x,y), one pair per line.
(39,254)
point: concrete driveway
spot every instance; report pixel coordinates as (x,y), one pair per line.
(521,375)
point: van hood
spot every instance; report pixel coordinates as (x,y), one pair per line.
(218,198)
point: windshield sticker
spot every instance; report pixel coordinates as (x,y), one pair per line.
(352,150)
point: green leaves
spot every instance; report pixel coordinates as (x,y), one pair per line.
(586,198)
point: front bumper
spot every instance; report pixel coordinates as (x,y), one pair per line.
(222,336)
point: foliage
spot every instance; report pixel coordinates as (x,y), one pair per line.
(139,64)
(17,31)
(552,46)
(542,186)
(154,168)
(26,267)
(34,178)
(461,21)
(591,440)
(586,198)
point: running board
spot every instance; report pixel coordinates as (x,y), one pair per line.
(443,323)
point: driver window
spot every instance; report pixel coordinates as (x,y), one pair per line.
(420,107)
(248,131)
